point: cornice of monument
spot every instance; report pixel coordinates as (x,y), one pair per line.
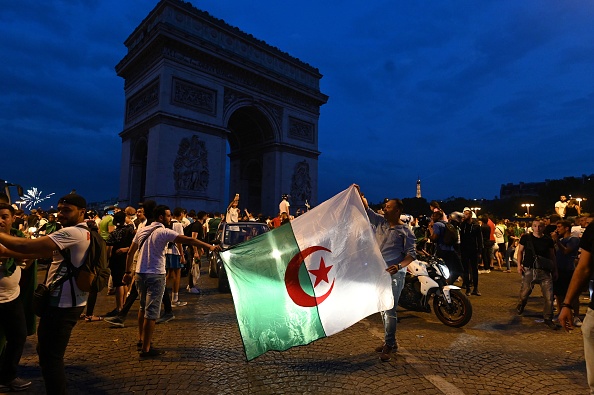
(182,20)
(163,118)
(165,47)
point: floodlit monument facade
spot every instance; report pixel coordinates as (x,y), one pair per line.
(197,90)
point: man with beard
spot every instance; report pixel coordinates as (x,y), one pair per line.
(397,246)
(67,301)
(560,206)
(471,245)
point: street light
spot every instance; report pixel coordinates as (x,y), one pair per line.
(580,200)
(475,208)
(527,205)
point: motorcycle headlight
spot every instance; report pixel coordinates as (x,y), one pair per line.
(444,270)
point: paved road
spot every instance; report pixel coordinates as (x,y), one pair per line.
(498,352)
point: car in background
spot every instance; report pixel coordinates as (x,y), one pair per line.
(228,235)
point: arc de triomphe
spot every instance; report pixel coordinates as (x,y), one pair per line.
(193,84)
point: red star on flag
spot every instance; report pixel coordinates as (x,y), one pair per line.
(321,273)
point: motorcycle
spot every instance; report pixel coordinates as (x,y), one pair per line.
(425,278)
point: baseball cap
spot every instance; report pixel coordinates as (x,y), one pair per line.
(73,199)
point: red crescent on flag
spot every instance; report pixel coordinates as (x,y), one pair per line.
(294,288)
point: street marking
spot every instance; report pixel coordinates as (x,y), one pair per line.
(439,382)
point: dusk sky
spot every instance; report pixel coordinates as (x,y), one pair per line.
(466,95)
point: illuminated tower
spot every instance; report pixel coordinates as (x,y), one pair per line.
(418,187)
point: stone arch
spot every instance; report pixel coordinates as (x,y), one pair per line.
(193,84)
(138,165)
(250,135)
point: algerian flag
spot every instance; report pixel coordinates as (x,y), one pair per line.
(308,279)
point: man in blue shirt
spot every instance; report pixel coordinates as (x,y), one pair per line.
(396,242)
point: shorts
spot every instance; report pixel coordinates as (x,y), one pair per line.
(118,269)
(151,288)
(501,247)
(172,261)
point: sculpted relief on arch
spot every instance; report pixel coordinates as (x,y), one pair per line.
(301,182)
(190,169)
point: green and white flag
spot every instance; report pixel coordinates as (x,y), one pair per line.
(308,279)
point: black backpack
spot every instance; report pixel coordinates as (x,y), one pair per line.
(450,237)
(93,274)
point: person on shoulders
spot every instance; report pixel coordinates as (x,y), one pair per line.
(233,210)
(560,206)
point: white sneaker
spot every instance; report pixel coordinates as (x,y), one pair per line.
(194,290)
(577,322)
(179,303)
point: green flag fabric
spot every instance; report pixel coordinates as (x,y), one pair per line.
(308,279)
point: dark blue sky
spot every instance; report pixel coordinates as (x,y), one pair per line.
(465,94)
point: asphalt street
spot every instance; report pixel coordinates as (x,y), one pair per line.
(498,352)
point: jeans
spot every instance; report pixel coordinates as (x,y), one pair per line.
(545,279)
(14,325)
(509,255)
(488,254)
(390,316)
(151,288)
(588,334)
(53,335)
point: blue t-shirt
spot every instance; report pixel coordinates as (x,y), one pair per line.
(395,243)
(439,229)
(566,262)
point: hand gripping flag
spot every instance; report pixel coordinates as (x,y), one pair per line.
(308,279)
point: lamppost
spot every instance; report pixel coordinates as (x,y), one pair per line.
(527,205)
(475,208)
(580,200)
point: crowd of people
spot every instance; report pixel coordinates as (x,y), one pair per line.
(150,246)
(554,252)
(147,247)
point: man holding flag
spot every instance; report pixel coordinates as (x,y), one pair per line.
(310,278)
(397,246)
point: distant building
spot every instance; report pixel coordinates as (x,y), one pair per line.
(522,189)
(518,190)
(419,187)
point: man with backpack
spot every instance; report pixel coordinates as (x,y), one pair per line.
(67,300)
(445,237)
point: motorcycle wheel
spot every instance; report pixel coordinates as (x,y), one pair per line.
(457,314)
